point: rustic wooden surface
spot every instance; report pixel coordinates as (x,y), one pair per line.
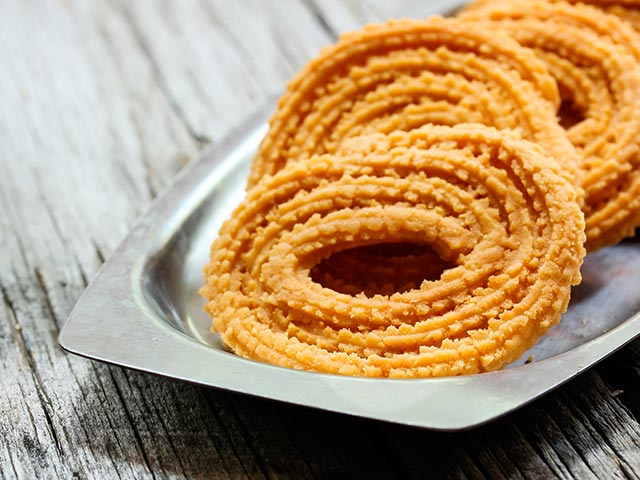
(101,103)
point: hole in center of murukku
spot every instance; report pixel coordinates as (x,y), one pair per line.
(570,114)
(380,269)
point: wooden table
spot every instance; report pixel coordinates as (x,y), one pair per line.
(101,104)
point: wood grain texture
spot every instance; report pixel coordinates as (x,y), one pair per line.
(102,103)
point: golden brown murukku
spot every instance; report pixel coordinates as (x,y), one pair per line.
(588,17)
(495,206)
(592,56)
(626,10)
(629,13)
(408,73)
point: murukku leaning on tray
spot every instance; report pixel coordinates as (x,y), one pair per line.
(494,205)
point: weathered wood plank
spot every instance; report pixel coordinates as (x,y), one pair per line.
(102,103)
(99,133)
(74,145)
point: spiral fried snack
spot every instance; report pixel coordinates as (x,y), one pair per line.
(627,10)
(592,57)
(494,205)
(581,15)
(408,73)
(587,17)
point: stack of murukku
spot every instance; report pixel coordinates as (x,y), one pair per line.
(594,58)
(417,206)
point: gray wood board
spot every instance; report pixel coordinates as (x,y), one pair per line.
(102,103)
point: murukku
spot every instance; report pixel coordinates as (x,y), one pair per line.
(588,17)
(408,73)
(626,10)
(592,56)
(494,206)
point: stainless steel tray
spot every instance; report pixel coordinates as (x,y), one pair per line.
(143,311)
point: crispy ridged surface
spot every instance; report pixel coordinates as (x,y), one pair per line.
(494,206)
(594,58)
(629,13)
(626,10)
(408,73)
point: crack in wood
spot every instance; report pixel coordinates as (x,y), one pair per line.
(28,357)
(559,432)
(629,475)
(49,419)
(315,10)
(518,464)
(167,435)
(13,467)
(13,312)
(585,421)
(35,449)
(131,422)
(83,277)
(106,400)
(541,446)
(55,320)
(486,462)
(218,418)
(99,253)
(200,138)
(249,441)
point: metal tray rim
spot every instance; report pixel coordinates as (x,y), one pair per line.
(135,338)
